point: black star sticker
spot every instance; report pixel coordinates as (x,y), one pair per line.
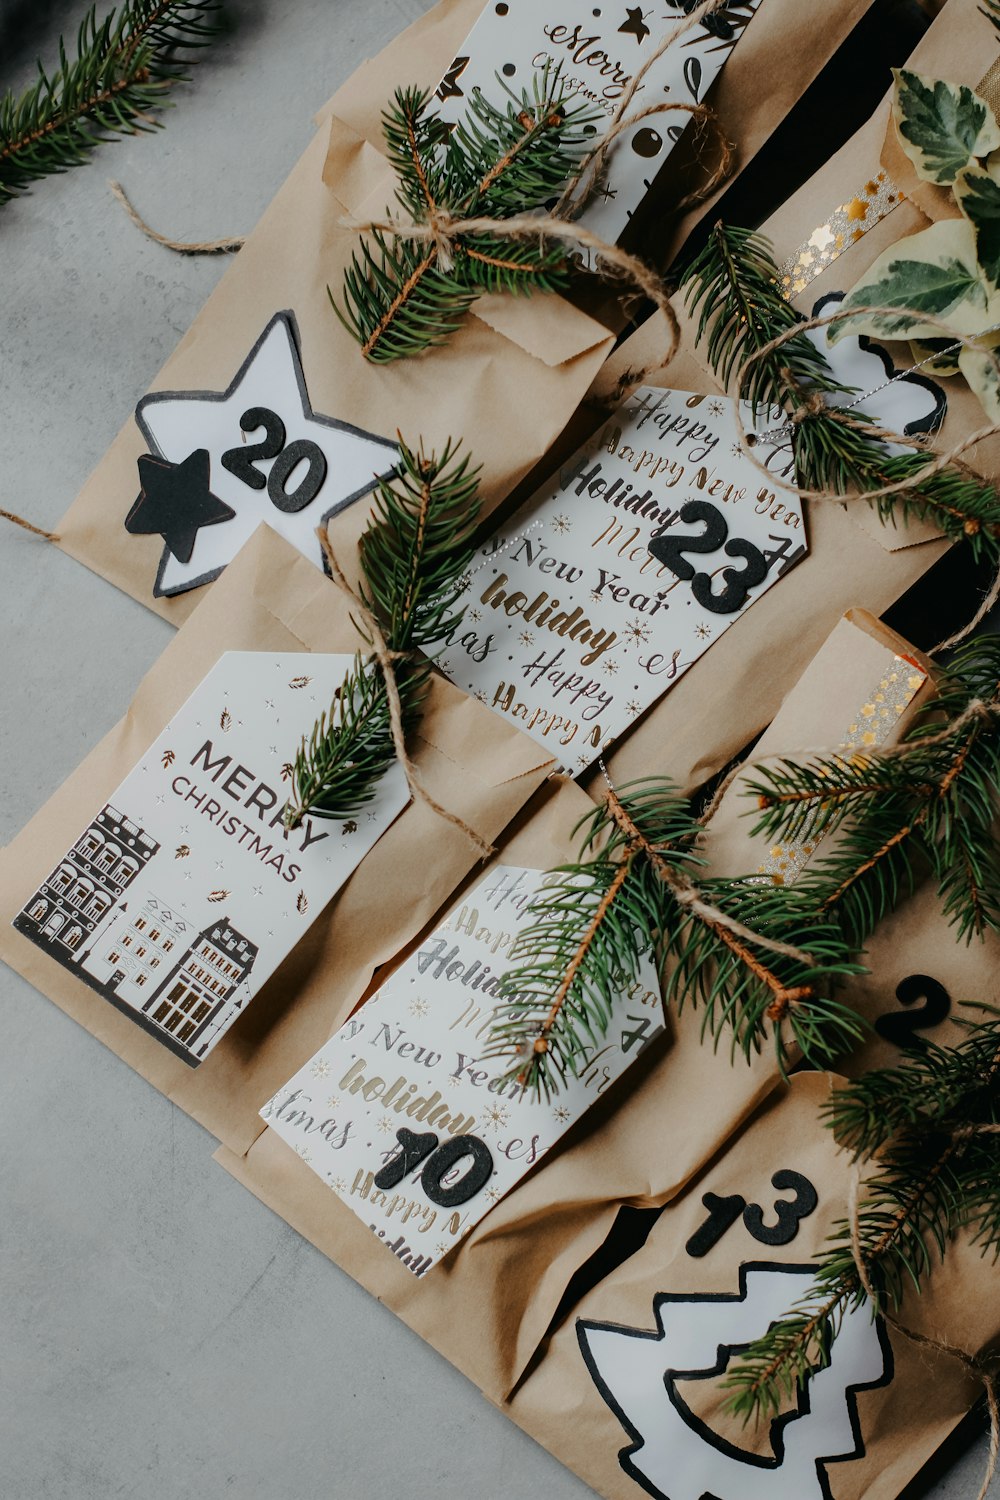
(175,502)
(635,25)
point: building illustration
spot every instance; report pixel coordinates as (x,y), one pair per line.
(89,882)
(97,916)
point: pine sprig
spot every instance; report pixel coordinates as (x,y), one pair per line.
(734,287)
(928,806)
(631,895)
(401,295)
(930,1126)
(414,552)
(123,68)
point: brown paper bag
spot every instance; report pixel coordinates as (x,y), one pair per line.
(626,1392)
(271,599)
(507,393)
(487,1305)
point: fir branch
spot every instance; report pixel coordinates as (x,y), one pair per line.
(734,287)
(414,552)
(753,956)
(402,296)
(930,1125)
(929,805)
(123,69)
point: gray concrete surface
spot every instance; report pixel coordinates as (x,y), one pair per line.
(163,1335)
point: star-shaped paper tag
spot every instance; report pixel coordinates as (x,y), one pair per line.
(621,572)
(220,463)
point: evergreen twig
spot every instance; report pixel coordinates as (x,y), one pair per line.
(123,68)
(734,287)
(413,554)
(402,296)
(751,955)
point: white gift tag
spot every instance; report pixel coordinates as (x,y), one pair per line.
(398,1115)
(223,462)
(574,624)
(185,891)
(599,50)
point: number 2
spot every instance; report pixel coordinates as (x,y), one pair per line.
(737,583)
(901,1027)
(240,461)
(723,1213)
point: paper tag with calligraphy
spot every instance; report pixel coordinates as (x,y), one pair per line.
(599,50)
(616,577)
(398,1115)
(185,891)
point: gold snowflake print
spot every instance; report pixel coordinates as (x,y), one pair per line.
(493,1195)
(339,1185)
(633,708)
(441,1248)
(475,614)
(595,595)
(703,632)
(304,1152)
(610,667)
(560,524)
(387,1125)
(333,1102)
(562,1114)
(496,1118)
(526,638)
(419,1008)
(715,408)
(320,1068)
(638,631)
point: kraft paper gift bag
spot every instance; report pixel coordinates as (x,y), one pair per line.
(784,41)
(270,601)
(628,1394)
(486,1302)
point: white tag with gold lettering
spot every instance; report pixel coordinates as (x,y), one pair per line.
(185,891)
(599,50)
(611,582)
(398,1115)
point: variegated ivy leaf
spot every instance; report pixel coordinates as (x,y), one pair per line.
(933,272)
(979,366)
(941,128)
(935,356)
(978,196)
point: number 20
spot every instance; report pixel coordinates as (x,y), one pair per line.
(240,461)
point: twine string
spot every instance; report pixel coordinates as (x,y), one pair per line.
(386,660)
(46,536)
(225,246)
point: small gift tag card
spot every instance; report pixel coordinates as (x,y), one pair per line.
(220,463)
(400,1118)
(610,583)
(599,50)
(185,891)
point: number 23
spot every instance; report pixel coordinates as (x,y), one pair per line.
(670,549)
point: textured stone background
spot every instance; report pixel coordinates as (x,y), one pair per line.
(164,1336)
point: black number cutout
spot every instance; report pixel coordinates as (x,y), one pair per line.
(240,461)
(788,1211)
(448,1156)
(308,488)
(722,1215)
(413,1149)
(737,584)
(638,1034)
(669,550)
(901,1027)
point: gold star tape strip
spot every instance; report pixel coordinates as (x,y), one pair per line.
(848,223)
(872,724)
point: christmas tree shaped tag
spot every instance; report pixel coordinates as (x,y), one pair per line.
(185,890)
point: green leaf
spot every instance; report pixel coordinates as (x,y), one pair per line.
(979,366)
(941,128)
(935,356)
(978,195)
(933,272)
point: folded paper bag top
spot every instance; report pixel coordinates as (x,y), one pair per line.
(258,418)
(273,601)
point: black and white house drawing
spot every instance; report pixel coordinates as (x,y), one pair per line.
(91,879)
(204,988)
